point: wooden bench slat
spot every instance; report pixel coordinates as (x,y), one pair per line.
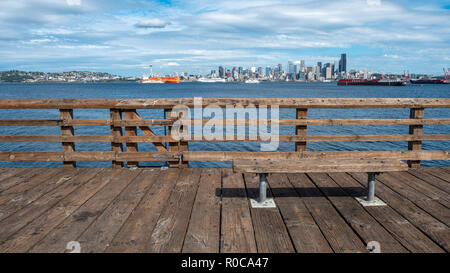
(309,165)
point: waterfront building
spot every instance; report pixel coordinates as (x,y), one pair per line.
(302,66)
(290,70)
(221,72)
(318,70)
(343,63)
(328,73)
(261,71)
(268,70)
(280,69)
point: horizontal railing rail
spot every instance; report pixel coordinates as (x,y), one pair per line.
(124,122)
(168,103)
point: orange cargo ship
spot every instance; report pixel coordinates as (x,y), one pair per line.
(152,79)
(170,79)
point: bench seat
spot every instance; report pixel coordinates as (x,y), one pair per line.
(371,166)
(317,165)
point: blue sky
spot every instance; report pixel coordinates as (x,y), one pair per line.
(124,37)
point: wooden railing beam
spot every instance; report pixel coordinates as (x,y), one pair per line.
(301,130)
(417,131)
(180,146)
(131,131)
(116,115)
(67,131)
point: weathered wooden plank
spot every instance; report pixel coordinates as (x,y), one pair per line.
(167,103)
(237,228)
(72,227)
(445,168)
(338,233)
(430,179)
(234,122)
(354,214)
(23,217)
(439,173)
(133,139)
(130,132)
(401,186)
(317,165)
(301,130)
(169,122)
(204,226)
(14,176)
(74,122)
(177,146)
(270,231)
(304,232)
(23,240)
(148,132)
(415,130)
(101,232)
(285,122)
(136,231)
(24,193)
(89,156)
(31,156)
(400,228)
(426,223)
(67,131)
(424,188)
(5,174)
(115,115)
(230,156)
(170,230)
(220,156)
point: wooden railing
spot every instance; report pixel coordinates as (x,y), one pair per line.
(123,114)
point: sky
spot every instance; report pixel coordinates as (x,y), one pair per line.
(124,37)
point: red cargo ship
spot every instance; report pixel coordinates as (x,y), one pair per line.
(380,82)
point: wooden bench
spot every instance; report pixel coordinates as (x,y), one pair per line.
(313,165)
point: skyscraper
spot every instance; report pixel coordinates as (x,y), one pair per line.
(318,70)
(290,67)
(221,72)
(240,70)
(268,68)
(343,63)
(302,66)
(260,71)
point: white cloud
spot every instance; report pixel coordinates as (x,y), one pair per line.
(152,23)
(374,2)
(73,2)
(194,35)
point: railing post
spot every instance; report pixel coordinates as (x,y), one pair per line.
(180,146)
(116,131)
(415,130)
(67,147)
(131,131)
(300,130)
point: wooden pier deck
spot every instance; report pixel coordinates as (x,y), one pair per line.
(207,210)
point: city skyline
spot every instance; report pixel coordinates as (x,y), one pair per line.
(124,38)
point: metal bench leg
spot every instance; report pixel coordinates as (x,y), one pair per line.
(371,187)
(262,201)
(370,199)
(262,187)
